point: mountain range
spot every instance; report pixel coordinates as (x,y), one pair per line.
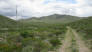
(56,18)
(6,22)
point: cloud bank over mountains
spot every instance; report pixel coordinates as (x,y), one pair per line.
(38,8)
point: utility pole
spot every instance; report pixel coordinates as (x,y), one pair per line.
(16,12)
(16,17)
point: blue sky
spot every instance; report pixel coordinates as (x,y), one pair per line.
(67,1)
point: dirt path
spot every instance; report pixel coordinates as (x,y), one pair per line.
(81,44)
(67,42)
(66,47)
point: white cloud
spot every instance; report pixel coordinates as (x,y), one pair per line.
(32,8)
(84,8)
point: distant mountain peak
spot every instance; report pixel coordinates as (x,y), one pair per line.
(56,18)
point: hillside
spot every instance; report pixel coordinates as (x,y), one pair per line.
(56,18)
(47,36)
(84,27)
(6,22)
